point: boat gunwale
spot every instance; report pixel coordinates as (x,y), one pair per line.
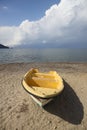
(28,87)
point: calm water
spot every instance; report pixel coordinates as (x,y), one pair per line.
(42,55)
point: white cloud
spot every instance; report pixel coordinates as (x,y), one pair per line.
(62,23)
(5,8)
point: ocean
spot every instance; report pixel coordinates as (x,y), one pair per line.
(42,55)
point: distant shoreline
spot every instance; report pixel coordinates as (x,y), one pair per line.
(3,47)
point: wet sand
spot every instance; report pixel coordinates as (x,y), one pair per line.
(68,111)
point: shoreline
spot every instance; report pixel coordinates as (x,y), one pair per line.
(48,65)
(43,63)
(19,112)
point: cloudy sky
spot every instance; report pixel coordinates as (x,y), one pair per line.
(53,23)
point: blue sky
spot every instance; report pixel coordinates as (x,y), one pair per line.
(13,12)
(49,23)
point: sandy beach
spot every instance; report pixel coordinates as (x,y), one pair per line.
(68,111)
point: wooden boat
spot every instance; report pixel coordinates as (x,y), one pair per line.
(44,85)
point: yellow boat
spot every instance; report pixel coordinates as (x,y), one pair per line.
(44,85)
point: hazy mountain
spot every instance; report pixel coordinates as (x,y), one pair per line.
(2,46)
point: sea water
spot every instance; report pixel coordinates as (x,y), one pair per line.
(42,55)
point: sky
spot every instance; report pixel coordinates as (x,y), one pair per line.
(13,12)
(49,23)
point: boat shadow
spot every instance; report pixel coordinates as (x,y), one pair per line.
(67,106)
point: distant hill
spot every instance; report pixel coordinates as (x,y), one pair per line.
(2,46)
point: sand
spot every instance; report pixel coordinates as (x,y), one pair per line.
(67,112)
